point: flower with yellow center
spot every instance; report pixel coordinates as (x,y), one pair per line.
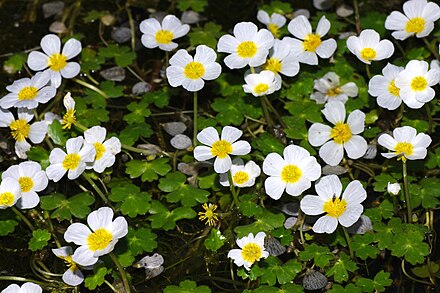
(418,19)
(96,239)
(259,84)
(293,173)
(156,34)
(344,135)
(281,60)
(10,192)
(73,275)
(209,215)
(368,46)
(405,144)
(25,288)
(191,73)
(328,88)
(252,250)
(308,45)
(69,118)
(220,148)
(344,209)
(106,150)
(273,22)
(31,180)
(73,162)
(242,175)
(55,60)
(248,45)
(384,87)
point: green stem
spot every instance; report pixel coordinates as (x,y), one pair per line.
(231,187)
(274,111)
(252,69)
(367,69)
(121,272)
(90,86)
(266,112)
(430,122)
(195,129)
(357,16)
(23,218)
(130,21)
(347,237)
(110,286)
(395,204)
(412,278)
(20,279)
(95,187)
(431,49)
(406,190)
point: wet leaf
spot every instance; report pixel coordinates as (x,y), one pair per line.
(141,240)
(342,268)
(133,201)
(161,217)
(93,281)
(39,239)
(215,240)
(63,208)
(179,191)
(186,286)
(57,133)
(321,255)
(279,272)
(148,170)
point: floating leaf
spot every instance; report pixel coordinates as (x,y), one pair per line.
(149,170)
(63,209)
(133,201)
(93,281)
(340,270)
(215,240)
(39,239)
(161,217)
(186,286)
(188,195)
(141,240)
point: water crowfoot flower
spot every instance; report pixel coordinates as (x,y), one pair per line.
(209,215)
(242,175)
(68,118)
(281,60)
(252,250)
(73,276)
(328,89)
(96,239)
(220,148)
(25,288)
(259,84)
(384,88)
(292,173)
(345,209)
(368,46)
(393,188)
(105,149)
(10,193)
(273,22)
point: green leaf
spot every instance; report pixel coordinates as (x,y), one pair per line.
(130,134)
(248,207)
(340,270)
(161,217)
(410,245)
(7,227)
(215,240)
(123,55)
(384,211)
(267,144)
(139,111)
(285,235)
(90,60)
(133,201)
(186,286)
(430,193)
(111,89)
(277,7)
(231,110)
(208,35)
(141,240)
(93,15)
(14,63)
(276,271)
(321,255)
(424,271)
(374,20)
(39,154)
(350,288)
(93,281)
(362,246)
(381,280)
(149,170)
(63,209)
(126,259)
(196,5)
(39,239)
(265,222)
(160,98)
(433,160)
(188,195)
(57,133)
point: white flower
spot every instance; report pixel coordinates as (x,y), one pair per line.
(56,59)
(252,250)
(310,45)
(345,209)
(105,149)
(220,148)
(342,136)
(28,92)
(435,64)
(384,87)
(415,83)
(368,46)
(248,46)
(393,188)
(191,72)
(328,89)
(242,175)
(69,118)
(292,173)
(31,179)
(10,193)
(273,22)
(73,276)
(259,84)
(99,238)
(74,162)
(162,35)
(405,143)
(418,19)
(25,288)
(281,60)
(21,129)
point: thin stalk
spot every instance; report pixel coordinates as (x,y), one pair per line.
(130,21)
(274,111)
(430,122)
(95,187)
(23,218)
(406,190)
(367,69)
(121,272)
(231,187)
(90,86)
(357,17)
(347,237)
(266,112)
(395,204)
(110,286)
(20,279)
(411,277)
(195,119)
(431,49)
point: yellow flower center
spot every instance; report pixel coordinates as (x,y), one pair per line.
(240,177)
(221,149)
(274,29)
(333,92)
(100,150)
(247,49)
(415,25)
(419,83)
(99,239)
(291,174)
(341,133)
(273,64)
(71,161)
(393,89)
(311,42)
(164,37)
(404,149)
(335,207)
(20,129)
(27,93)
(69,118)
(251,252)
(57,61)
(70,263)
(261,88)
(26,183)
(194,70)
(368,54)
(6,199)
(209,214)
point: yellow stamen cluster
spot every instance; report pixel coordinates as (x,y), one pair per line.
(341,133)
(99,239)
(164,37)
(251,252)
(335,207)
(291,174)
(247,49)
(57,61)
(311,42)
(194,70)
(20,129)
(221,149)
(209,215)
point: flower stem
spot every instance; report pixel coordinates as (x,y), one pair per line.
(431,49)
(429,115)
(23,218)
(406,190)
(95,187)
(231,187)
(121,272)
(90,86)
(266,112)
(367,69)
(195,120)
(412,278)
(347,237)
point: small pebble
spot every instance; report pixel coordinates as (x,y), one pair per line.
(333,170)
(114,73)
(52,8)
(362,226)
(181,142)
(58,27)
(150,149)
(121,34)
(344,10)
(140,88)
(191,17)
(174,128)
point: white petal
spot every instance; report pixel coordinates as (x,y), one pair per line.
(387,141)
(73,145)
(212,71)
(71,48)
(334,112)
(405,133)
(323,26)
(84,256)
(240,148)
(51,44)
(150,25)
(202,153)
(231,134)
(318,134)
(332,153)
(312,205)
(356,147)
(293,154)
(208,136)
(37,61)
(222,165)
(28,200)
(325,224)
(244,31)
(351,215)
(101,218)
(356,121)
(274,187)
(384,49)
(227,44)
(77,233)
(193,85)
(299,187)
(119,228)
(327,48)
(70,70)
(300,27)
(175,75)
(273,164)
(38,131)
(62,251)
(73,277)
(354,193)
(328,187)
(55,172)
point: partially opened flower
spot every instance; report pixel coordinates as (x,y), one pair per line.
(329,89)
(190,72)
(21,129)
(384,88)
(98,238)
(281,60)
(25,288)
(73,276)
(242,175)
(293,173)
(248,46)
(343,135)
(73,162)
(273,22)
(418,19)
(415,83)
(252,250)
(69,118)
(368,46)
(344,209)
(259,84)
(10,193)
(29,92)
(31,179)
(156,34)
(308,45)
(405,144)
(220,148)
(106,150)
(55,59)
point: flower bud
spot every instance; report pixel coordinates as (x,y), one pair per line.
(393,188)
